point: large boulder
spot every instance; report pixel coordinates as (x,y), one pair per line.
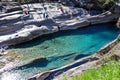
(37,62)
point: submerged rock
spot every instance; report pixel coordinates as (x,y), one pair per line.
(37,62)
(80,56)
(80,65)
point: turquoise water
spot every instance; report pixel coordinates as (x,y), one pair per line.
(60,49)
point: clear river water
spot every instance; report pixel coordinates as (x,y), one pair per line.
(59,49)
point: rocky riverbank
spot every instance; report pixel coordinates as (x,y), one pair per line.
(109,51)
(79,66)
(12,34)
(38,28)
(14,30)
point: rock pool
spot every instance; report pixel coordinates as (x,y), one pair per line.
(59,49)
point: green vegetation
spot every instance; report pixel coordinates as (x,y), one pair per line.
(108,1)
(108,71)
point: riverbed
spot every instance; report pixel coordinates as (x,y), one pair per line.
(59,49)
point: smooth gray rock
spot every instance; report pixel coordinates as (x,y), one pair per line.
(103,18)
(49,26)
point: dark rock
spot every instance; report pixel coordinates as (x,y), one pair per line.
(45,47)
(33,78)
(115,9)
(80,56)
(94,58)
(53,68)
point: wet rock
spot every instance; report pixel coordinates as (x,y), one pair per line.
(65,57)
(33,78)
(53,68)
(44,47)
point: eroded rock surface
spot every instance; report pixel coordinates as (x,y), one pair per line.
(33,29)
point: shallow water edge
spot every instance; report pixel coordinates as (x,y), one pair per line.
(90,61)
